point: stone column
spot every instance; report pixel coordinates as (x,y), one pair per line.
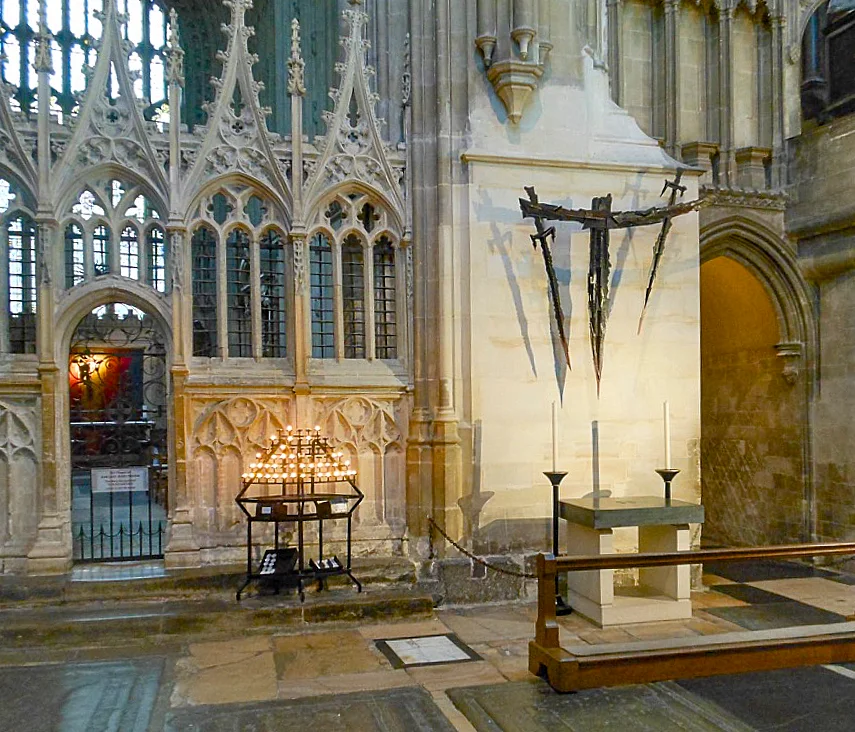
(51,551)
(779,27)
(727,161)
(446,440)
(672,78)
(614,31)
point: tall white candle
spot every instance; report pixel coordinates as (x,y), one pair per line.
(666,415)
(554,437)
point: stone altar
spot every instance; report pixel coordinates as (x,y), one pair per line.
(663,592)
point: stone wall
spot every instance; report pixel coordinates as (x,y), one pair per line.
(751,483)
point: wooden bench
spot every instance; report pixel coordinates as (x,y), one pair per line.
(588,666)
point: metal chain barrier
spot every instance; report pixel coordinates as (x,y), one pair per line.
(467,553)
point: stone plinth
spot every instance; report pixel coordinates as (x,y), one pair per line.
(663,592)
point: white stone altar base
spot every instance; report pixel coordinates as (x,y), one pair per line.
(663,592)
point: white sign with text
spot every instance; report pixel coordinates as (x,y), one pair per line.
(119,480)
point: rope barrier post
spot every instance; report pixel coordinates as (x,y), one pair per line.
(546,629)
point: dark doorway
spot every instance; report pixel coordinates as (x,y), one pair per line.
(118,426)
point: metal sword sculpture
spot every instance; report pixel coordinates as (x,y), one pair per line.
(600,219)
(659,247)
(542,235)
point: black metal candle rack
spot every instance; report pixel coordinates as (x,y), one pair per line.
(298,480)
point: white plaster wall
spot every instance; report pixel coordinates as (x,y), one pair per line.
(572,145)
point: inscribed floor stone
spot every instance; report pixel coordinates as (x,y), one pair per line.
(398,710)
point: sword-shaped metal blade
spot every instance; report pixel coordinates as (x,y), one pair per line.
(542,236)
(659,246)
(599,267)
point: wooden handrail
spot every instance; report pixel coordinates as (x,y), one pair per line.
(667,559)
(548,566)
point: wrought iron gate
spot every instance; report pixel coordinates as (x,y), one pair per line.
(119,456)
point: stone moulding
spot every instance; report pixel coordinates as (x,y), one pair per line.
(514,81)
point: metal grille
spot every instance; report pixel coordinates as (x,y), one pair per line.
(118,426)
(129,253)
(157,258)
(385,301)
(273,343)
(238,288)
(21,234)
(353,296)
(101,250)
(76,32)
(75,261)
(321,276)
(204,248)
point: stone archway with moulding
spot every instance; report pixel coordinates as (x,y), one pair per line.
(82,301)
(772,262)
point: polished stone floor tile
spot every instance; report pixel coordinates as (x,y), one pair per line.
(398,710)
(113,697)
(711,598)
(775,615)
(813,699)
(225,672)
(534,707)
(755,571)
(747,594)
(405,629)
(323,654)
(817,591)
(449,676)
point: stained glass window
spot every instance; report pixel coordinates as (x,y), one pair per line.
(76,31)
(385,301)
(101,250)
(239,294)
(353,296)
(129,253)
(21,236)
(157,258)
(272,266)
(321,276)
(204,251)
(75,259)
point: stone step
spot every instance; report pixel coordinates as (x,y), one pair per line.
(153,622)
(149,580)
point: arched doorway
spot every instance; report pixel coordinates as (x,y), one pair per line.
(753,414)
(118,406)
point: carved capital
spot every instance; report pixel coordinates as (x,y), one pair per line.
(791,359)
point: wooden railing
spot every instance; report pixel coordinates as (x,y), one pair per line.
(548,567)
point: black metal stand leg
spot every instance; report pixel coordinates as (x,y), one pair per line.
(667,475)
(555,478)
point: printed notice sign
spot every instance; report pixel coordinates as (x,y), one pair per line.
(118,480)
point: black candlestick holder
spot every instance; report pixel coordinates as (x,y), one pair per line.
(667,475)
(555,478)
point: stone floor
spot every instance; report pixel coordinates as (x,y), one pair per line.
(339,676)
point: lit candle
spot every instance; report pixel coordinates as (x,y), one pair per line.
(554,437)
(666,414)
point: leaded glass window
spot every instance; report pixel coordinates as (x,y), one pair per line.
(129,253)
(272,266)
(157,258)
(75,258)
(353,296)
(385,300)
(204,252)
(21,237)
(101,250)
(321,276)
(76,31)
(239,294)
